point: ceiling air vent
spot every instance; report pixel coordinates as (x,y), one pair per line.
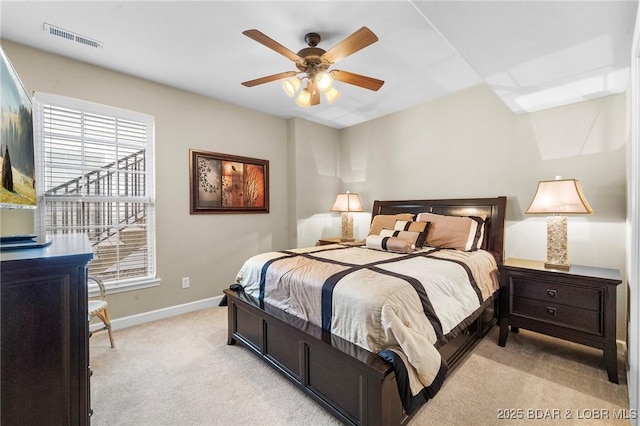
(59,32)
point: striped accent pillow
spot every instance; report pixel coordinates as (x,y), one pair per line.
(395,244)
(414,226)
(415,238)
(459,232)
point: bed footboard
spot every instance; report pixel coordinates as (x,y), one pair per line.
(353,384)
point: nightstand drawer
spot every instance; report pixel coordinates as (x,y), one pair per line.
(566,316)
(552,292)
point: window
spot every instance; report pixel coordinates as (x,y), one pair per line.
(95,176)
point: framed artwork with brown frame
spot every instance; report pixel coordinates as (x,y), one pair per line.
(222,183)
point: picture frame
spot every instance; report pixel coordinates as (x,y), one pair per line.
(223,183)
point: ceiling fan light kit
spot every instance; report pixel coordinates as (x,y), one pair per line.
(323,83)
(314,62)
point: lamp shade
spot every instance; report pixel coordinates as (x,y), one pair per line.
(304,98)
(291,86)
(324,81)
(560,196)
(347,202)
(332,94)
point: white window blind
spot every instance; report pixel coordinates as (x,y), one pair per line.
(95,165)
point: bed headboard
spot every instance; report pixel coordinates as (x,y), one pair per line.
(493,208)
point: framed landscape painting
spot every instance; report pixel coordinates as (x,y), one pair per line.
(17,165)
(222,183)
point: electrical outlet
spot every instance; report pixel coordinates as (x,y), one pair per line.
(185,282)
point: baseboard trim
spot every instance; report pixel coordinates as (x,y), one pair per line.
(130,321)
(621,347)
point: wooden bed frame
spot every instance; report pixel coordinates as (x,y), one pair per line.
(355,385)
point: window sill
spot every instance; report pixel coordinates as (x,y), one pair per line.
(122,286)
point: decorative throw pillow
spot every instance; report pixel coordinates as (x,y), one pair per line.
(395,244)
(414,226)
(387,221)
(413,237)
(459,232)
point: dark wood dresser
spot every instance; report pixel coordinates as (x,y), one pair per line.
(578,304)
(44,333)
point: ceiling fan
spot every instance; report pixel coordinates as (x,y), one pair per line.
(314,62)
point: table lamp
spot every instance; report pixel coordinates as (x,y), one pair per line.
(347,203)
(557,198)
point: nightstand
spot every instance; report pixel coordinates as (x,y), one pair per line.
(338,240)
(578,304)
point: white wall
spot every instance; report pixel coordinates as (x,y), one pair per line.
(471,145)
(633,375)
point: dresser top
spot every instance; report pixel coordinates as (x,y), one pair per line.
(65,245)
(574,270)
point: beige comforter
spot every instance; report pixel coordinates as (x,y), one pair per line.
(379,300)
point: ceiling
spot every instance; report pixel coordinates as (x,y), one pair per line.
(533,54)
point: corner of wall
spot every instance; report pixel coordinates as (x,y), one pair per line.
(291,182)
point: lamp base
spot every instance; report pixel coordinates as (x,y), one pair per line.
(347,226)
(557,255)
(560,266)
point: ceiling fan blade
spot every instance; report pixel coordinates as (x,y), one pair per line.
(357,80)
(269,78)
(271,44)
(350,45)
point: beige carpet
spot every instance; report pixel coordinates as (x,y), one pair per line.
(180,371)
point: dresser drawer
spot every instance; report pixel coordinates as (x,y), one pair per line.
(552,292)
(583,320)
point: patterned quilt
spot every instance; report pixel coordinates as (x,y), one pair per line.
(400,306)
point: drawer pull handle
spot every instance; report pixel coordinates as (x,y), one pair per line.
(551,293)
(551,311)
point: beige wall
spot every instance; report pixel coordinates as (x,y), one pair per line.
(207,248)
(315,159)
(464,145)
(471,145)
